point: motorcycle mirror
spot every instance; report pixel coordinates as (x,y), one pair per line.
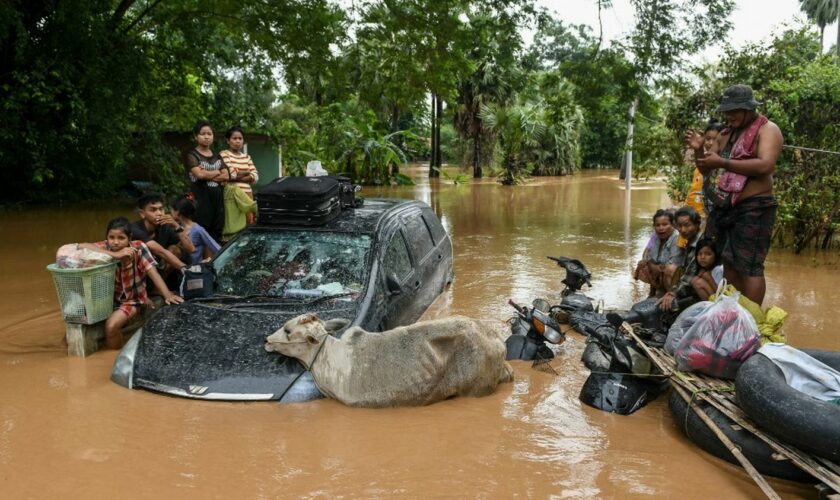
(553,335)
(541,305)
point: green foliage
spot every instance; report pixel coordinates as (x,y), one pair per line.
(821,12)
(88,88)
(558,150)
(452,147)
(345,136)
(457,179)
(519,129)
(604,85)
(798,89)
(495,47)
(667,31)
(806,105)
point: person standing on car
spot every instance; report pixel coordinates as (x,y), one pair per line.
(207,172)
(243,172)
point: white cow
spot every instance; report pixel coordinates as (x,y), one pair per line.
(408,366)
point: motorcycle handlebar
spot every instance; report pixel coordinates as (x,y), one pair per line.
(516,306)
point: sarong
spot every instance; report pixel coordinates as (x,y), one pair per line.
(743,233)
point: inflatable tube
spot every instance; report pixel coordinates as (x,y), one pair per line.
(785,413)
(756,450)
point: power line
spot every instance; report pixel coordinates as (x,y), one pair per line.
(811,149)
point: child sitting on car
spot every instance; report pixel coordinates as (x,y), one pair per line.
(135,263)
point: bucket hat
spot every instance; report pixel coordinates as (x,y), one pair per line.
(737,97)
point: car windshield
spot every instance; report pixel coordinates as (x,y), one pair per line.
(305,264)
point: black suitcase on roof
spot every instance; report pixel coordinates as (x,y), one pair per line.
(299,201)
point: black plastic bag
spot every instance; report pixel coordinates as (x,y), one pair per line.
(197,281)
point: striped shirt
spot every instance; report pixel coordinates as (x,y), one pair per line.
(242,165)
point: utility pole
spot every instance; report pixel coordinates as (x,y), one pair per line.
(628,153)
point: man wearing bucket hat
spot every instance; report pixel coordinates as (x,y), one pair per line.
(743,206)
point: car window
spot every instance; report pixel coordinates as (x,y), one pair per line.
(419,236)
(293,264)
(435,227)
(397,260)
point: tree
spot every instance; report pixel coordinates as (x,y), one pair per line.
(519,129)
(495,51)
(666,32)
(797,87)
(88,87)
(389,76)
(822,13)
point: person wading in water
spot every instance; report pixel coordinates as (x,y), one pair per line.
(744,208)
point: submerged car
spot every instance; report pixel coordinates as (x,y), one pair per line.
(379,265)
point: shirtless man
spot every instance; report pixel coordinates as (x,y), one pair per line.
(741,223)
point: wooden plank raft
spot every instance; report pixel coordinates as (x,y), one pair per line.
(721,395)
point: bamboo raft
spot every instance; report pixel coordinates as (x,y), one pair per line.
(721,395)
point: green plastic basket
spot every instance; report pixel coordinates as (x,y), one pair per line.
(86,295)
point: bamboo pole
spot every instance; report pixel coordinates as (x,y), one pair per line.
(726,403)
(736,452)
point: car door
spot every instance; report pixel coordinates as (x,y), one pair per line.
(398,268)
(422,247)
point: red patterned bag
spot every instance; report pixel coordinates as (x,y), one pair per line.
(722,338)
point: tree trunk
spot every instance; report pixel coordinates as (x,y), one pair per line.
(477,173)
(395,121)
(626,172)
(439,118)
(838,29)
(822,38)
(432,157)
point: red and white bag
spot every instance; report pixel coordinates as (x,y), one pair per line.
(720,339)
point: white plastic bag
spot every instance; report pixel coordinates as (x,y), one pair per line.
(314,169)
(683,322)
(722,338)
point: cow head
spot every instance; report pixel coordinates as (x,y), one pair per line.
(301,337)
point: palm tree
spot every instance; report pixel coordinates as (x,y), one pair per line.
(519,129)
(822,13)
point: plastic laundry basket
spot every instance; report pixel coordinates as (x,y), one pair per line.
(86,295)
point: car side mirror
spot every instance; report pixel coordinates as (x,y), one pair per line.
(393,284)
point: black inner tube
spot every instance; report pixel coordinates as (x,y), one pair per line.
(785,413)
(753,448)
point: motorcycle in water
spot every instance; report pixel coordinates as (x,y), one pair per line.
(533,327)
(576,276)
(620,380)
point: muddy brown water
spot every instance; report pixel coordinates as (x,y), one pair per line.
(66,429)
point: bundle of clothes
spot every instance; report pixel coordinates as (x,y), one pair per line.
(71,256)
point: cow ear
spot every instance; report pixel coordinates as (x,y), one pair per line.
(312,339)
(334,325)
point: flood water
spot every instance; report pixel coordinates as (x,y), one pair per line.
(65,429)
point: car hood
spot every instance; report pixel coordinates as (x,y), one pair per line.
(209,352)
